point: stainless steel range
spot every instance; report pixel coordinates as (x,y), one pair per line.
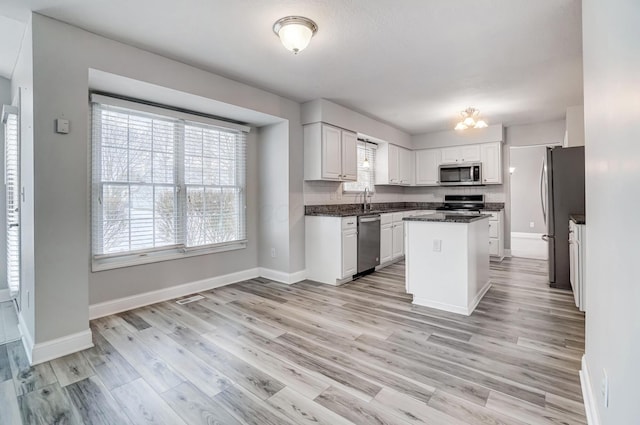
(462,204)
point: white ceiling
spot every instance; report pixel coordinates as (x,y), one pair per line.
(412,63)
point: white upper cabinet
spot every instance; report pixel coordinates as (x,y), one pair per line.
(394,165)
(427,163)
(491,157)
(469,153)
(330,153)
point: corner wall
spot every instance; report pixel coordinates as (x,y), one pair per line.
(5,99)
(612,150)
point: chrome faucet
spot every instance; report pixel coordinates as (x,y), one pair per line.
(364,204)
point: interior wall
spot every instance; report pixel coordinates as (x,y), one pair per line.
(526,207)
(5,99)
(612,152)
(62,216)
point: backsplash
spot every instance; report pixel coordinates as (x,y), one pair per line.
(330,193)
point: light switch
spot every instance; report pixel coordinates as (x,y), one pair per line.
(62,126)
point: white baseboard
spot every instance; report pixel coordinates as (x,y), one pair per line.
(52,349)
(27,339)
(587,394)
(283,277)
(5,295)
(454,308)
(129,303)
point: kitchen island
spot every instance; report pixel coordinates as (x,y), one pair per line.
(447,260)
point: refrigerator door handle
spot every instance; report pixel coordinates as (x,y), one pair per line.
(542,205)
(547,237)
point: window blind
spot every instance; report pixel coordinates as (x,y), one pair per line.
(366,175)
(12,188)
(164,183)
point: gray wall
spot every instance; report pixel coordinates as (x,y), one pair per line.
(5,99)
(64,282)
(525,189)
(612,152)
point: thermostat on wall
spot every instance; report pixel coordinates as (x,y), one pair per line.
(62,126)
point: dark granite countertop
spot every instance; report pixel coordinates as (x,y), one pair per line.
(448,218)
(349,210)
(578,218)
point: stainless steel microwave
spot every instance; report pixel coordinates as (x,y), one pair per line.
(462,174)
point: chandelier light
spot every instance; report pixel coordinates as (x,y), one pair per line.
(295,32)
(470,120)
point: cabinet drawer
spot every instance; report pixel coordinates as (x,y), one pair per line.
(494,246)
(493,229)
(386,218)
(397,217)
(349,223)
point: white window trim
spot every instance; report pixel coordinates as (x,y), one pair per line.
(101,262)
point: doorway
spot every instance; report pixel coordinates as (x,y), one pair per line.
(528,197)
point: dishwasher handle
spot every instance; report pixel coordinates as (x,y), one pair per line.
(368,219)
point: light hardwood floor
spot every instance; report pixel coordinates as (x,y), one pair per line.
(260,352)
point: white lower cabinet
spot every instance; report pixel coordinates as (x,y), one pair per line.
(331,248)
(386,241)
(496,238)
(349,252)
(397,241)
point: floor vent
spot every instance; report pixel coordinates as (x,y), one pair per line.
(190,299)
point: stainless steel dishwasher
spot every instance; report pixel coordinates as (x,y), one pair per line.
(368,242)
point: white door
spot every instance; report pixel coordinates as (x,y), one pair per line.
(331,153)
(450,155)
(491,163)
(406,167)
(12,188)
(397,240)
(349,156)
(427,162)
(470,153)
(349,253)
(393,158)
(386,240)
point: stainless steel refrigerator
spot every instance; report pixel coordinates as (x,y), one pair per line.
(562,185)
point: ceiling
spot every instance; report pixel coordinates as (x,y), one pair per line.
(411,63)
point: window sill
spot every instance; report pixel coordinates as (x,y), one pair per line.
(156,257)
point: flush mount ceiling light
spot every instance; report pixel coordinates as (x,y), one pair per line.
(295,32)
(470,119)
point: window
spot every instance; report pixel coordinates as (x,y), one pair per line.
(164,182)
(366,175)
(12,190)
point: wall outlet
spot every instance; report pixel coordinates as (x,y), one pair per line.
(605,388)
(273,253)
(532,224)
(437,245)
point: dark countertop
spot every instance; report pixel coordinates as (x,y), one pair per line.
(350,210)
(448,218)
(578,218)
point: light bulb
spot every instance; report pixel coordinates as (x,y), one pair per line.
(460,126)
(365,164)
(469,122)
(295,32)
(480,124)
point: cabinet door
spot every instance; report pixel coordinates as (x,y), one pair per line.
(386,238)
(427,163)
(349,253)
(331,152)
(494,247)
(470,153)
(394,175)
(398,240)
(491,163)
(450,155)
(405,167)
(349,156)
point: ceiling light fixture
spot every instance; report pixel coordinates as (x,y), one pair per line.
(295,32)
(470,119)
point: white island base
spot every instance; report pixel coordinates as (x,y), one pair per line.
(447,263)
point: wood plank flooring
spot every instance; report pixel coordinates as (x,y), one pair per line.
(259,352)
